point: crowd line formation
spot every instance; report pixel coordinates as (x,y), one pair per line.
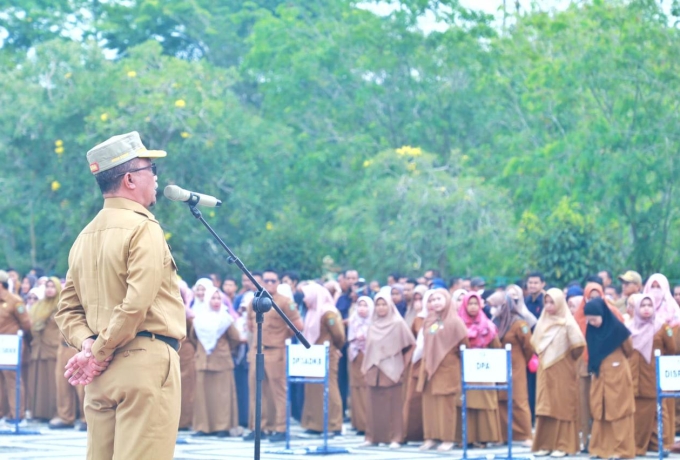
(584,377)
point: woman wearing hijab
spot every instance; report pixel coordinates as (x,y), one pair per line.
(658,288)
(483,420)
(359,322)
(389,338)
(514,330)
(517,295)
(612,401)
(416,304)
(413,400)
(591,291)
(27,284)
(214,336)
(323,323)
(42,385)
(648,333)
(438,349)
(398,298)
(187,361)
(559,343)
(200,302)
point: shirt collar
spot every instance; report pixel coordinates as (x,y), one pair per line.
(124,203)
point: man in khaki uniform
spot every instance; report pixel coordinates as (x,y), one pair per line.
(121,302)
(274,334)
(631,283)
(13,317)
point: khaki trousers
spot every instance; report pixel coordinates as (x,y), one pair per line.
(133,408)
(70,399)
(273,391)
(9,382)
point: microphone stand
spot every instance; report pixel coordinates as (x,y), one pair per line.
(262,303)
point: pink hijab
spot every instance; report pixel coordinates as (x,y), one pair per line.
(643,329)
(665,306)
(319,301)
(481,331)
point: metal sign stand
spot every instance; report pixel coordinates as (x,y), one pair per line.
(325,449)
(508,387)
(660,396)
(17,430)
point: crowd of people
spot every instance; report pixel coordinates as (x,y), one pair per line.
(584,377)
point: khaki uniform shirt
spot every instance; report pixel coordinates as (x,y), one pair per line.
(122,280)
(14,316)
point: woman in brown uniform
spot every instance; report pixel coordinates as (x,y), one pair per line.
(214,336)
(389,338)
(187,366)
(559,343)
(323,323)
(514,330)
(591,291)
(413,401)
(42,386)
(648,333)
(484,424)
(359,322)
(612,402)
(439,377)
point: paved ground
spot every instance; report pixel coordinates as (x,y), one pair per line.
(70,445)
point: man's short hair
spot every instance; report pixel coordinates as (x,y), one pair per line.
(229,278)
(412,281)
(594,279)
(435,273)
(109,180)
(349,270)
(293,275)
(538,275)
(395,275)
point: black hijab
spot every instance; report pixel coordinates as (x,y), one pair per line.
(604,340)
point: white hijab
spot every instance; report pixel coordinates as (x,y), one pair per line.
(202,305)
(209,324)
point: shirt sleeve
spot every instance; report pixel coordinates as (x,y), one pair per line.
(70,316)
(144,271)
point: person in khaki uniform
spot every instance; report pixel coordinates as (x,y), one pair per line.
(648,333)
(13,317)
(274,334)
(437,357)
(612,398)
(323,323)
(42,386)
(70,399)
(121,307)
(214,336)
(514,330)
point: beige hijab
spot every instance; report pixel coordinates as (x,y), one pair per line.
(387,338)
(442,331)
(556,334)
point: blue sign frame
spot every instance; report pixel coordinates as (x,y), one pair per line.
(660,396)
(325,449)
(467,387)
(17,392)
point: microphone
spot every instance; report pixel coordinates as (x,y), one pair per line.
(175,193)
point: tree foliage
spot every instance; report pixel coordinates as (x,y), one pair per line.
(330,131)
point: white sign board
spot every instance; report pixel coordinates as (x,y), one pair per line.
(669,373)
(9,350)
(303,362)
(485,366)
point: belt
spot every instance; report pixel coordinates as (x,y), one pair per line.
(174,343)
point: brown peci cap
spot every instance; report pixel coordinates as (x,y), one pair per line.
(118,150)
(631,277)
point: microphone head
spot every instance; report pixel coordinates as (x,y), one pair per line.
(173,192)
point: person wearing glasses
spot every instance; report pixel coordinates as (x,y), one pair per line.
(121,308)
(274,334)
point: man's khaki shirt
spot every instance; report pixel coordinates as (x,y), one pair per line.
(122,280)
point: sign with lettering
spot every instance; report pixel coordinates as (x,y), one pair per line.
(482,365)
(303,362)
(669,373)
(9,350)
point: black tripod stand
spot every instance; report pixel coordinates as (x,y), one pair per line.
(262,303)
